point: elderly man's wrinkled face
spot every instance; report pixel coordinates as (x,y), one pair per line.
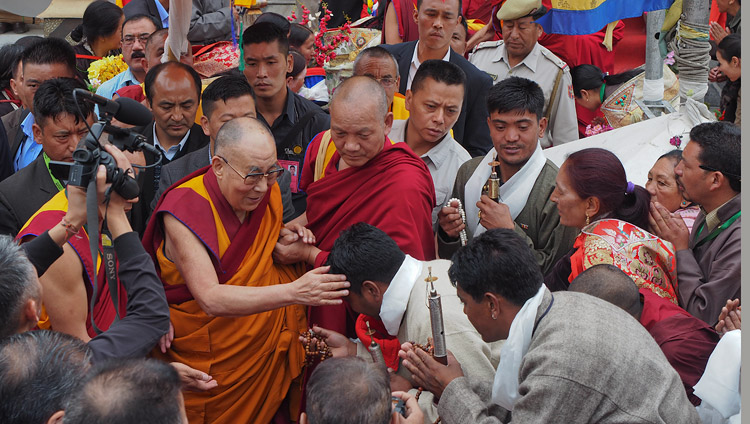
(134,36)
(357,134)
(520,36)
(233,164)
(174,103)
(384,71)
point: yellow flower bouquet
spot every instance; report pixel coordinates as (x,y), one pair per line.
(105,69)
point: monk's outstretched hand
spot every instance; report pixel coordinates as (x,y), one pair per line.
(450,220)
(293,232)
(318,288)
(427,372)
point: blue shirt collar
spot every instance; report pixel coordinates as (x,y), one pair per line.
(27,124)
(163,14)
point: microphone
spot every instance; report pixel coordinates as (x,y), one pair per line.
(123,109)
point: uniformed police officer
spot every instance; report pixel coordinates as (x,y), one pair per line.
(519,54)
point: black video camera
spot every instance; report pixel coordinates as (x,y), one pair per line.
(89,155)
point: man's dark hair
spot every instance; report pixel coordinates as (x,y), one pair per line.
(50,51)
(266,32)
(144,391)
(224,88)
(39,371)
(348,391)
(16,285)
(154,72)
(516,94)
(10,55)
(364,252)
(460,7)
(440,71)
(274,18)
(720,149)
(141,16)
(55,97)
(610,283)
(498,261)
(298,34)
(374,52)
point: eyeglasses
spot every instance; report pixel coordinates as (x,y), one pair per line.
(130,39)
(253,178)
(385,81)
(709,169)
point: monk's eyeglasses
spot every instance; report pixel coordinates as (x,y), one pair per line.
(254,177)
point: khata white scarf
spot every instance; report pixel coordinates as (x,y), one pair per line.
(505,387)
(514,192)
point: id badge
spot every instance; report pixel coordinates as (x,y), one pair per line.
(293,167)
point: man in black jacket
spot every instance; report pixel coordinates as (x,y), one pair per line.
(436,20)
(58,128)
(293,120)
(173,91)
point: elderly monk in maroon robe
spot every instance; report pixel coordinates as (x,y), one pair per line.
(236,314)
(686,341)
(355,173)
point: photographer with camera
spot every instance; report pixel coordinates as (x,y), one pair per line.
(58,128)
(84,301)
(350,390)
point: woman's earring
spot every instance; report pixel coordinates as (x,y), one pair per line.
(587,218)
(684,203)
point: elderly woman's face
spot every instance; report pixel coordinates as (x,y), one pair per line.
(570,206)
(662,184)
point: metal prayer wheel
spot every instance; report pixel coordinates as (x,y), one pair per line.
(439,351)
(493,187)
(375,352)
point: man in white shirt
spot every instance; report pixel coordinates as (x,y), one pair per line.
(392,286)
(434,104)
(436,20)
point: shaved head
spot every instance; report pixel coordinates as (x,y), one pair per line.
(243,132)
(608,282)
(245,146)
(360,92)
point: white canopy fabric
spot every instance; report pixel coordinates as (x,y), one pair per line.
(639,145)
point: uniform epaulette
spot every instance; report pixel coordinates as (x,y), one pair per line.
(553,58)
(487,44)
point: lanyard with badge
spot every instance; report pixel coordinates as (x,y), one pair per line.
(715,233)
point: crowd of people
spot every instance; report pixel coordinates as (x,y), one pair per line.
(265,259)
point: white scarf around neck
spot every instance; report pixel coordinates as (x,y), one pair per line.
(514,192)
(505,387)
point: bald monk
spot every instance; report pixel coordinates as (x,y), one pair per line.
(236,314)
(686,341)
(355,173)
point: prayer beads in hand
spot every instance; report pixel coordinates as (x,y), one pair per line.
(317,350)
